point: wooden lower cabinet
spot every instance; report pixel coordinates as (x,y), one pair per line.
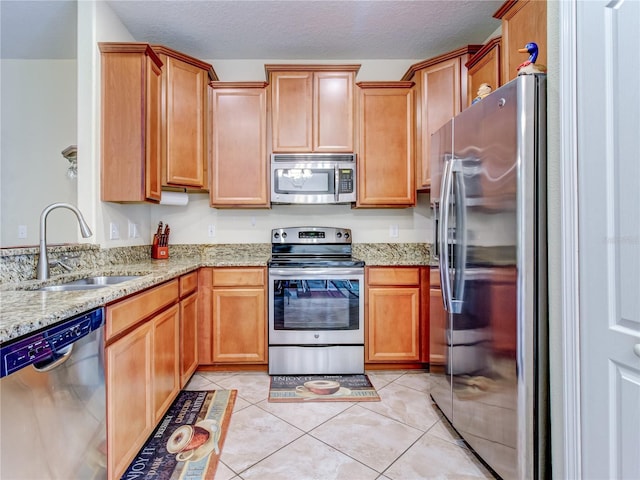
(437,321)
(233,318)
(166,356)
(130,415)
(239,325)
(142,369)
(392,311)
(188,337)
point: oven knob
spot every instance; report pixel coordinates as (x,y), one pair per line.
(276,235)
(316,335)
(346,235)
(339,234)
(284,234)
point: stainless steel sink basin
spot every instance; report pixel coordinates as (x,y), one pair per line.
(103,280)
(89,283)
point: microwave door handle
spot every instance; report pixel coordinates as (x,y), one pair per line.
(443,237)
(336,183)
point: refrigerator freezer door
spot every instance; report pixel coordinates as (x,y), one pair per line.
(483,328)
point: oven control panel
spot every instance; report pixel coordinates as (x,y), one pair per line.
(314,235)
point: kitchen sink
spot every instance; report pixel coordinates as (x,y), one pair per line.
(89,283)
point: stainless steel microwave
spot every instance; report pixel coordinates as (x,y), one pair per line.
(313,178)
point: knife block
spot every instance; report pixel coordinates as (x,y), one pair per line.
(159,252)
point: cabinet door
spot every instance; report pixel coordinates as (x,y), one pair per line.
(523,21)
(484,67)
(292,111)
(393,324)
(440,89)
(239,325)
(185,88)
(437,325)
(386,160)
(239,175)
(129,397)
(188,337)
(333,111)
(131,109)
(153,170)
(166,352)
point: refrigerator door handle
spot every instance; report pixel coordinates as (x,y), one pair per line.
(445,280)
(460,247)
(453,288)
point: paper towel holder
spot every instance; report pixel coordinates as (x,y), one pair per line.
(176,198)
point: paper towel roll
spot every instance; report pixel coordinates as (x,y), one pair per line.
(174,198)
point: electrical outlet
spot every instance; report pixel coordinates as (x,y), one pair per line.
(22,231)
(393,231)
(134,230)
(114,231)
(253,221)
(212,230)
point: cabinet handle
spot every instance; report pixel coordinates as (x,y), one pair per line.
(636,349)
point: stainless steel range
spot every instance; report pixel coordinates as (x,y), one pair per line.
(316,302)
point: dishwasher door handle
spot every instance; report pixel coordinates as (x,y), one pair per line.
(49,365)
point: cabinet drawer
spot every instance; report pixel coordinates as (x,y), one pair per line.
(188,283)
(434,277)
(395,276)
(238,277)
(126,313)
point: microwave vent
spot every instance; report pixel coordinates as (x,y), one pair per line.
(313,157)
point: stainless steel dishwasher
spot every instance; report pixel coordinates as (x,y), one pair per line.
(52,402)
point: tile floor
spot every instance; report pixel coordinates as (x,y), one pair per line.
(402,437)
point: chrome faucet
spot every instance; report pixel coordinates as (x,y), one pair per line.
(42,269)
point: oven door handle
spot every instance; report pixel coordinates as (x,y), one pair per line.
(289,273)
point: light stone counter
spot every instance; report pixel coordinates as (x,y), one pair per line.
(23,309)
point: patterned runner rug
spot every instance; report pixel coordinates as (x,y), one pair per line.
(188,440)
(322,388)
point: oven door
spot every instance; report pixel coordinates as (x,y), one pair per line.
(316,306)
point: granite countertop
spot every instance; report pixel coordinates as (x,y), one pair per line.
(24,309)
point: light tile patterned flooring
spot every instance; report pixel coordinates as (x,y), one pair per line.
(402,437)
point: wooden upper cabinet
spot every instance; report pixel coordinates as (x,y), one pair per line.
(441,91)
(386,146)
(184,114)
(312,107)
(131,110)
(333,111)
(484,67)
(238,145)
(523,21)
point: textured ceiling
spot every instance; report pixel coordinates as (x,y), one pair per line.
(266,29)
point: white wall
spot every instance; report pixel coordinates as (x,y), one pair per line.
(190,224)
(38,122)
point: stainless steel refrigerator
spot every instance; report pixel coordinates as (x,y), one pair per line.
(489,191)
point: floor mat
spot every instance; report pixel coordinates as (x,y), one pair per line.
(188,440)
(322,388)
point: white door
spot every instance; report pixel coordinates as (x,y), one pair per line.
(608,117)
